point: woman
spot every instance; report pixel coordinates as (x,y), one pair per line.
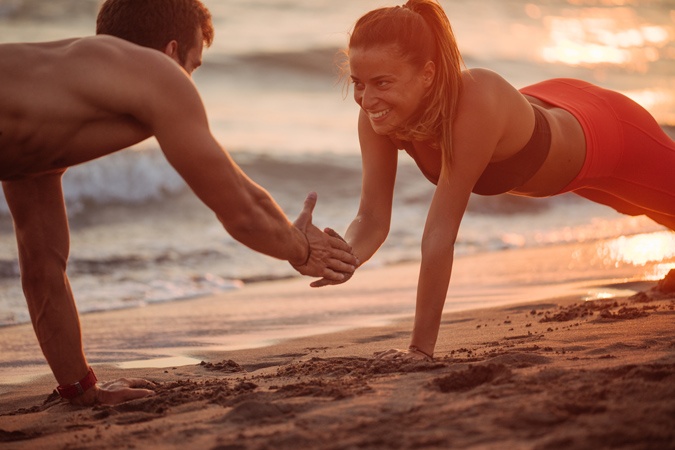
(470,131)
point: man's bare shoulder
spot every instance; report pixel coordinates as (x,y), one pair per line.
(109,51)
(121,74)
(78,58)
(90,46)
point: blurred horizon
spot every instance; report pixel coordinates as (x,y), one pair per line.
(613,42)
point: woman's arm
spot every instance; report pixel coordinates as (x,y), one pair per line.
(438,244)
(480,125)
(370,227)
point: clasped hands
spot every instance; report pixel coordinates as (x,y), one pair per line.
(329,255)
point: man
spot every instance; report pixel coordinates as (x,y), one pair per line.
(67,102)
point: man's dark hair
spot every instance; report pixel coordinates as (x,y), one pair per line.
(155,23)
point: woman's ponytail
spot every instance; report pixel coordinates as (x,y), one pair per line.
(443,97)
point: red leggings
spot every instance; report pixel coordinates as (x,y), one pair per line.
(630,161)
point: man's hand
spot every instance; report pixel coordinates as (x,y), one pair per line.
(411,354)
(329,256)
(328,282)
(114,392)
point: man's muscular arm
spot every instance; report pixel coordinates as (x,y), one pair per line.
(174,112)
(41,228)
(125,92)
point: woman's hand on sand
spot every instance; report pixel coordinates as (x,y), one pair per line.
(325,281)
(410,354)
(114,392)
(329,257)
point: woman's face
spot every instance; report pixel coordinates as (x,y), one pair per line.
(387,87)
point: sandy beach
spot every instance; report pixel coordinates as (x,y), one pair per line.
(557,333)
(551,372)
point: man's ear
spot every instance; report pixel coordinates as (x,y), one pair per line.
(171,49)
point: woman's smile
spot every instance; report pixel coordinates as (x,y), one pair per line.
(380,115)
(388,87)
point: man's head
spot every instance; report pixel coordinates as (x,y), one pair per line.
(175,27)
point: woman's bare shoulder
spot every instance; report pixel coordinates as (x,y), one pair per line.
(492,111)
(486,83)
(486,93)
(489,99)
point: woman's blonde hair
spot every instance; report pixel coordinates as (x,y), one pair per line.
(421,31)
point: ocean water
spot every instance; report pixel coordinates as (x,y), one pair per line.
(272,90)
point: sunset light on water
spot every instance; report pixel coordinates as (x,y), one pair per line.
(609,35)
(641,250)
(600,35)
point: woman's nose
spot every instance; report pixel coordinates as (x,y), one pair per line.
(366,98)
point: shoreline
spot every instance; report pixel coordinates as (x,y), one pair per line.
(254,280)
(262,314)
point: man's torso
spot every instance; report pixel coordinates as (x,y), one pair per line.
(64,102)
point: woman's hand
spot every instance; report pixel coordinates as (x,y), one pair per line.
(347,275)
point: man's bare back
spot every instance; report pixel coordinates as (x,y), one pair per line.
(78,101)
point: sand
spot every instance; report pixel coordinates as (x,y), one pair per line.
(562,373)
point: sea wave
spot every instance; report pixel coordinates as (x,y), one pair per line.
(137,177)
(318,61)
(129,177)
(52,10)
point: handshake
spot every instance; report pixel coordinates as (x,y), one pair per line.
(329,256)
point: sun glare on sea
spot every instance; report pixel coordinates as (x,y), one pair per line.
(641,250)
(593,36)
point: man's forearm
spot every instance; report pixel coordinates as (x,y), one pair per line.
(263,227)
(57,327)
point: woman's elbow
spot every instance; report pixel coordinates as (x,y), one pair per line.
(437,245)
(376,228)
